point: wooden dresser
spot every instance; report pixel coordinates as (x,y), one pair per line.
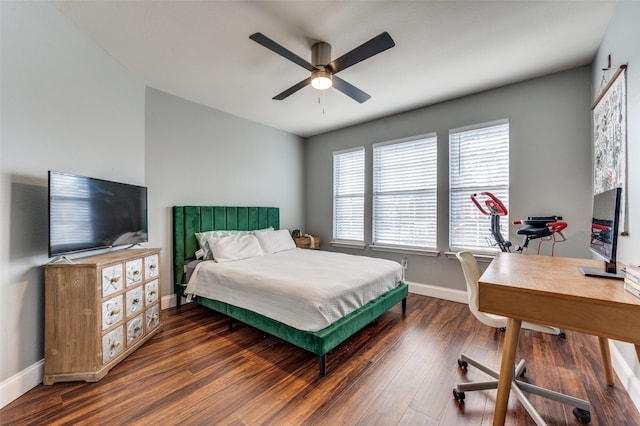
(97,311)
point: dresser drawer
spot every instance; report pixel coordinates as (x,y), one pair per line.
(111,312)
(134,272)
(111,280)
(151,292)
(112,345)
(134,303)
(151,267)
(152,317)
(134,330)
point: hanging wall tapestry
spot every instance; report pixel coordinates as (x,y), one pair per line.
(610,137)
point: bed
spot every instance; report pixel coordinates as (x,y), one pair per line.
(189,220)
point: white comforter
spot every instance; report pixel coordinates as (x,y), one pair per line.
(305,289)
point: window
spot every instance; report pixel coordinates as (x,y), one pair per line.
(348,195)
(478,162)
(404,193)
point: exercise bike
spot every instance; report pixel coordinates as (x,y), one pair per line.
(542,228)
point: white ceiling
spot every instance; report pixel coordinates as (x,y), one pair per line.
(201,51)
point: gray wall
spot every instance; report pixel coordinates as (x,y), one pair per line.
(66,105)
(550,162)
(621,41)
(196,155)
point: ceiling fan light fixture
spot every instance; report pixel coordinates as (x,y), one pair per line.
(321,79)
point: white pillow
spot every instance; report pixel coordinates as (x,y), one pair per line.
(234,247)
(203,239)
(275,241)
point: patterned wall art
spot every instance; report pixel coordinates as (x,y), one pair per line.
(610,138)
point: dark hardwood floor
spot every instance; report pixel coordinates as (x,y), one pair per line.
(399,371)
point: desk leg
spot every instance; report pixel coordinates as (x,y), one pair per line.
(506,370)
(603,342)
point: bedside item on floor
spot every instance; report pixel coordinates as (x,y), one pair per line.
(308,242)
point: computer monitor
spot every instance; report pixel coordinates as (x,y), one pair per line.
(604,233)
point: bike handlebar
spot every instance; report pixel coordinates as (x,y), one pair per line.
(494,205)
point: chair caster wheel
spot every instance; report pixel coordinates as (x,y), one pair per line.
(583,416)
(462,364)
(562,335)
(524,372)
(458,396)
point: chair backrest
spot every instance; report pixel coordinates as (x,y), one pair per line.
(472,274)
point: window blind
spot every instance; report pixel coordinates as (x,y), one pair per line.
(348,195)
(404,193)
(478,162)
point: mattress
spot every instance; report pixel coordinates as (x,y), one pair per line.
(305,289)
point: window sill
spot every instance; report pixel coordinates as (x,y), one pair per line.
(348,244)
(405,249)
(480,257)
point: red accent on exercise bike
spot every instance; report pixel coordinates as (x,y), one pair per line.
(495,210)
(493,204)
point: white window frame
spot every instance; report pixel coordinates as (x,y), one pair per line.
(349,187)
(412,184)
(477,164)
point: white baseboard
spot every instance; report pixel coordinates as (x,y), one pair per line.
(168,301)
(438,292)
(626,374)
(19,384)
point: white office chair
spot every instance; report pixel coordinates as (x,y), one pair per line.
(472,275)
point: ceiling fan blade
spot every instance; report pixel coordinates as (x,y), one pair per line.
(293,89)
(350,90)
(282,51)
(378,44)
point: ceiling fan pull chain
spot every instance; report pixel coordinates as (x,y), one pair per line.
(321,100)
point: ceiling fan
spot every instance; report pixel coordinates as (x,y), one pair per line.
(323,70)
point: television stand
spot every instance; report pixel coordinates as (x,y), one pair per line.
(98,310)
(64,259)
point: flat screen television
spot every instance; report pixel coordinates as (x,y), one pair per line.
(604,233)
(88,214)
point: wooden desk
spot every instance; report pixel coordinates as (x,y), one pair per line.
(552,291)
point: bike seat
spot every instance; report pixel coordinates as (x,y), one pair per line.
(536,231)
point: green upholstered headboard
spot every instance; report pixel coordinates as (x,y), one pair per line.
(187,220)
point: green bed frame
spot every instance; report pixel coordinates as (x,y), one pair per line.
(187,220)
